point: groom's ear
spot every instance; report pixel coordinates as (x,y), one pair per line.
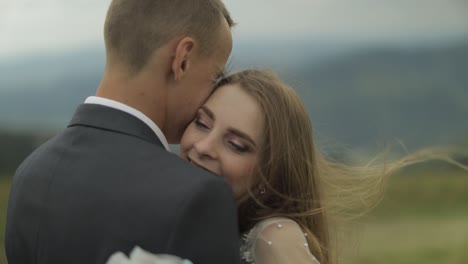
(183,55)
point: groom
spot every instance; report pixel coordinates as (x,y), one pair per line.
(107,183)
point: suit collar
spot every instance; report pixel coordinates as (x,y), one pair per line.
(103,117)
(132,111)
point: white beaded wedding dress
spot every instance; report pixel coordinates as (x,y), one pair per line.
(272,241)
(276,241)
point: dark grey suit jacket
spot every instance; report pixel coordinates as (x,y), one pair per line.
(107,184)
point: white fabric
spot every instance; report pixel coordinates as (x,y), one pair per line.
(132,111)
(276,241)
(139,256)
(272,241)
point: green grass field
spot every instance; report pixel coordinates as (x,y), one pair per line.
(4,191)
(422,219)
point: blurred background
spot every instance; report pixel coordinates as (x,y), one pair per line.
(372,74)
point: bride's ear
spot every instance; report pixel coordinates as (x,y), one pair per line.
(183,55)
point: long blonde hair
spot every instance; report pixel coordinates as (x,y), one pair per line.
(295,180)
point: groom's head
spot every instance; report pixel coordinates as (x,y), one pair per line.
(170,52)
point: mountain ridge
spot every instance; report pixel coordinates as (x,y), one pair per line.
(419,95)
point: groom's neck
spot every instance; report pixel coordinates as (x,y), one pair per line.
(141,92)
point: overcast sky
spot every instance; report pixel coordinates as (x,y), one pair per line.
(31,26)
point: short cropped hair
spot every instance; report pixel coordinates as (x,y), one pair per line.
(134,29)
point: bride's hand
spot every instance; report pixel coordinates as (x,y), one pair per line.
(139,256)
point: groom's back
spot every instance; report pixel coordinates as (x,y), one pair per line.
(91,191)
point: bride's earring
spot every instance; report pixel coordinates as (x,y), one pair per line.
(262,190)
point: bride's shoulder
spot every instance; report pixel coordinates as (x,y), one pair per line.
(278,230)
(277,221)
(278,237)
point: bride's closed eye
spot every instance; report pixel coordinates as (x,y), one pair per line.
(240,148)
(201,122)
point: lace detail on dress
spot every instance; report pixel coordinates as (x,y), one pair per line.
(247,245)
(276,241)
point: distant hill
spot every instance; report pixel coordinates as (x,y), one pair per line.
(42,92)
(419,96)
(361,98)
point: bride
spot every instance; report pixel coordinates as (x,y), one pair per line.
(255,132)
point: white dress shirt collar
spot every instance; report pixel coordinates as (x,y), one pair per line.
(132,111)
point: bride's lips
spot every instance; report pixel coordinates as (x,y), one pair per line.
(198,165)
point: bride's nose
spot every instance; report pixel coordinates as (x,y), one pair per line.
(206,147)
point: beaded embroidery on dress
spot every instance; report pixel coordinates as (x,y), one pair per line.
(276,241)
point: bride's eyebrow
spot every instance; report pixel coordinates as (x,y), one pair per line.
(208,112)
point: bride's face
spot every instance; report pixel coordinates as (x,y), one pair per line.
(225,137)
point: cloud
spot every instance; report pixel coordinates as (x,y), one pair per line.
(50,25)
(357,19)
(29,26)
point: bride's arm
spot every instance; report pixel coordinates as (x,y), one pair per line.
(282,242)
